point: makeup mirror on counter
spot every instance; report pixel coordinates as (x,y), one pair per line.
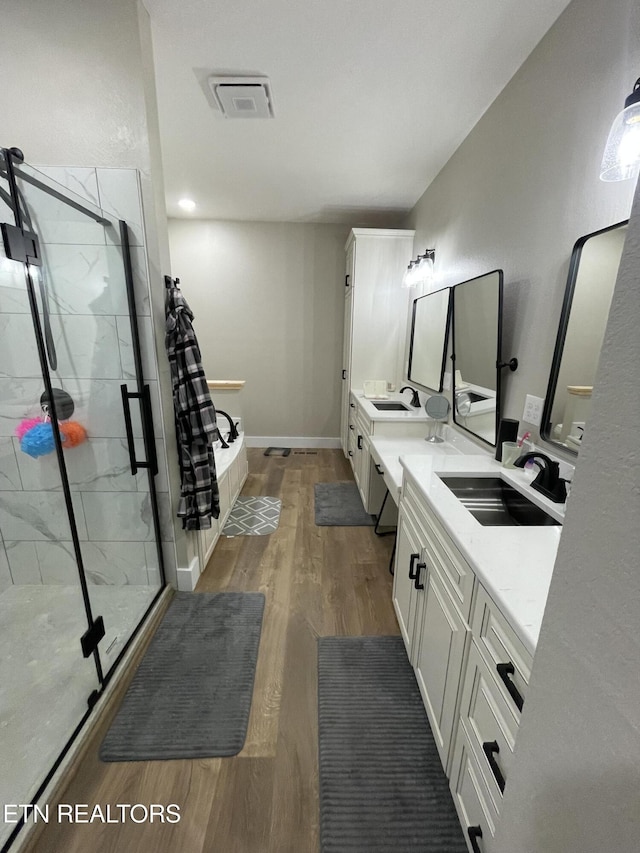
(477,330)
(585,311)
(437,407)
(429,335)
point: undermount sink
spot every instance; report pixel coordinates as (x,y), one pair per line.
(493,502)
(391,407)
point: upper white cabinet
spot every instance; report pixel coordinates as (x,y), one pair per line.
(375,310)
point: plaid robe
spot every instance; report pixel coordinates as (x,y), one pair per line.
(196,426)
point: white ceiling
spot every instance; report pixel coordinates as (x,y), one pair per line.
(371,98)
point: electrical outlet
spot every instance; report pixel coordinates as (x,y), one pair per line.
(532,413)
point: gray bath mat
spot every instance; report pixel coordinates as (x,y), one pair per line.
(339,505)
(191,695)
(253,517)
(382,787)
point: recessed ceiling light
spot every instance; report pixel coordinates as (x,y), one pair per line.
(187,204)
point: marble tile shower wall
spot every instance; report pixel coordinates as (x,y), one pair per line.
(90,324)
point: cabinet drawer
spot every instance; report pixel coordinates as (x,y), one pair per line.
(455,570)
(363,423)
(471,797)
(490,724)
(399,429)
(503,651)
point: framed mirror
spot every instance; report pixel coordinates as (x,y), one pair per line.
(429,337)
(477,333)
(592,276)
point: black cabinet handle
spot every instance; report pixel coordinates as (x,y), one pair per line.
(379,469)
(353,405)
(351,426)
(346,280)
(504,671)
(474,832)
(359,442)
(491,748)
(344,374)
(416,581)
(412,571)
(350,452)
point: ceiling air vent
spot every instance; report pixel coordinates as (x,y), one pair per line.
(242,97)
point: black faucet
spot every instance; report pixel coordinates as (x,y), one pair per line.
(548,481)
(415,400)
(233,431)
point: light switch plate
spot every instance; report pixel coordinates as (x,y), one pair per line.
(446,382)
(532,413)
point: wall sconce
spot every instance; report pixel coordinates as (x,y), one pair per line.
(621,159)
(419,271)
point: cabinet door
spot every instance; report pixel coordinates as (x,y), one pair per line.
(359,452)
(351,446)
(346,370)
(439,659)
(404,592)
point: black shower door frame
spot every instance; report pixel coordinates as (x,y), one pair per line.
(22,245)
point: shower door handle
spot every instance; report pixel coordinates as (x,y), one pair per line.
(147,428)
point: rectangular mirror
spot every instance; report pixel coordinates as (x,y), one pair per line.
(592,277)
(429,336)
(477,332)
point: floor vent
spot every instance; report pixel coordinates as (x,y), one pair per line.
(277,451)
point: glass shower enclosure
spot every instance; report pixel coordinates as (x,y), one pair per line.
(80,555)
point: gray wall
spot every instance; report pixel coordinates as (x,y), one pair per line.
(268,302)
(524,185)
(75,96)
(575,783)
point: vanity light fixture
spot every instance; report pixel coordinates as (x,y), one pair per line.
(621,159)
(187,204)
(420,270)
(408,279)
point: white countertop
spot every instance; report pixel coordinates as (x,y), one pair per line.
(387,451)
(514,564)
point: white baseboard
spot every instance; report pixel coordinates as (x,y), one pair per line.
(288,441)
(188,578)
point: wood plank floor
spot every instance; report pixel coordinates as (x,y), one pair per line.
(318,581)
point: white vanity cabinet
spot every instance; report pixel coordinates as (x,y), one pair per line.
(440,630)
(375,311)
(361,428)
(470,664)
(493,690)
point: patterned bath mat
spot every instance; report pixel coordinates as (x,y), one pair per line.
(253,517)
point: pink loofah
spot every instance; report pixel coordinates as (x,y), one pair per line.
(25,425)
